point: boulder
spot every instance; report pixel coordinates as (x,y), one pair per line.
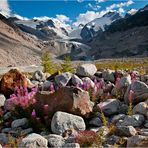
(135,120)
(33,141)
(55,140)
(76,80)
(124,82)
(38,76)
(141,108)
(95,122)
(63,79)
(62,121)
(140,90)
(108,75)
(68,99)
(143,132)
(118,117)
(86,70)
(137,141)
(10,80)
(19,123)
(2,100)
(3,138)
(110,106)
(126,131)
(88,83)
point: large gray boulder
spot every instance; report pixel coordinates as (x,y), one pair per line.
(86,70)
(62,121)
(124,81)
(63,79)
(135,120)
(137,141)
(140,90)
(34,141)
(110,106)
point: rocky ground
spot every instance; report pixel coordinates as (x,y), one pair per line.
(88,108)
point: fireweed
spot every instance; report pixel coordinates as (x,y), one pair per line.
(21,98)
(130,97)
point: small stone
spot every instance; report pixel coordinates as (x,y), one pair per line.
(33,141)
(2,100)
(143,132)
(63,79)
(6,130)
(135,120)
(141,108)
(20,123)
(26,131)
(126,131)
(116,118)
(7,116)
(108,75)
(76,80)
(38,76)
(3,138)
(55,140)
(110,106)
(95,122)
(137,141)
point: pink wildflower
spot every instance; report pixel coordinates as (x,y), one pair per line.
(33,114)
(131,95)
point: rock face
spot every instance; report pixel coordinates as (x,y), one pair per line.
(10,80)
(33,140)
(137,141)
(140,90)
(62,121)
(68,99)
(63,79)
(110,106)
(86,70)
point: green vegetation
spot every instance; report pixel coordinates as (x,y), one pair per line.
(119,64)
(67,65)
(48,64)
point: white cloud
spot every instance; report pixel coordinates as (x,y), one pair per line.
(120,5)
(4,8)
(84,18)
(20,17)
(100,1)
(94,7)
(132,11)
(62,18)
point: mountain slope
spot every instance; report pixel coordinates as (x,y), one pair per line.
(126,37)
(98,25)
(17,47)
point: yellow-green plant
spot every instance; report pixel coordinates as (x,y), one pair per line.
(67,65)
(48,64)
(104,119)
(130,107)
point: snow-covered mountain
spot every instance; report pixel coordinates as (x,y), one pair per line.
(44,29)
(98,25)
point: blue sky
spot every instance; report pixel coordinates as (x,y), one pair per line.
(71,11)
